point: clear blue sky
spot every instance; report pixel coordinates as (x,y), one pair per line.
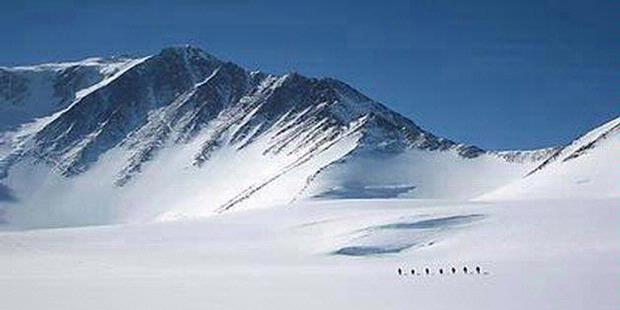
(498,74)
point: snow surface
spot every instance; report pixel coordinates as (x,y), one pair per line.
(558,254)
(589,167)
(223,188)
(443,175)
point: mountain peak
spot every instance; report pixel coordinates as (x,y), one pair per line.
(187,51)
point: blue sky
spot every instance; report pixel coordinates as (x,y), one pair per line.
(498,74)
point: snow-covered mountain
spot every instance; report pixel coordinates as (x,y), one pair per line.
(589,167)
(36,91)
(183,133)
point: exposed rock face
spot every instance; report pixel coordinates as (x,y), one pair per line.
(31,92)
(13,87)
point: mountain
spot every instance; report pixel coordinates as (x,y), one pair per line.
(585,168)
(183,134)
(36,91)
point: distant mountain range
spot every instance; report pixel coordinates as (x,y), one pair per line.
(183,134)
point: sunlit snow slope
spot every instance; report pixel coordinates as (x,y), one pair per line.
(589,167)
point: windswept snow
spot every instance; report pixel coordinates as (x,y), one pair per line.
(418,174)
(538,255)
(402,235)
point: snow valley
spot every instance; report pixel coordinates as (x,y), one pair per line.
(213,181)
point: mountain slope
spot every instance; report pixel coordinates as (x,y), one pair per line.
(585,168)
(30,92)
(183,133)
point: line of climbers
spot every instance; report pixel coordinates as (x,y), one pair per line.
(427,271)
